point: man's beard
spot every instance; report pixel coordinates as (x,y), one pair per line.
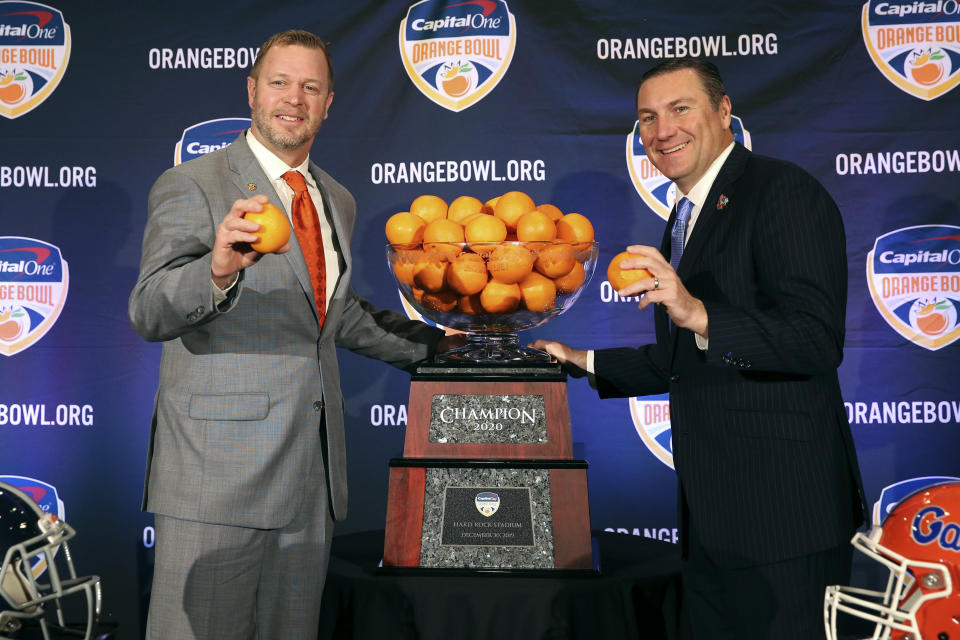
(264,125)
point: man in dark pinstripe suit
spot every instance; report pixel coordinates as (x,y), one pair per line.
(750,328)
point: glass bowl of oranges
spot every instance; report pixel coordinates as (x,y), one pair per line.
(488,271)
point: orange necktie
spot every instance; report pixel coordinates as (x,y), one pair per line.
(306,224)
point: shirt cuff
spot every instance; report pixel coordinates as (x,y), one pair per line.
(702,343)
(219,295)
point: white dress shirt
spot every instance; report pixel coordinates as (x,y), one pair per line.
(698,194)
(274,168)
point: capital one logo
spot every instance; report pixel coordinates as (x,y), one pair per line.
(914,44)
(914,279)
(456,52)
(202,138)
(34,52)
(33,287)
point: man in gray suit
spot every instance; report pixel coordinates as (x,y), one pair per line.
(750,286)
(246,467)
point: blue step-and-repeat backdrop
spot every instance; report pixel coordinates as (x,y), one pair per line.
(97,99)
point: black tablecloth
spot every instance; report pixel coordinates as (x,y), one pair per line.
(627,599)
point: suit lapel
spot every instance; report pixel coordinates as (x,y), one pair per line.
(247,171)
(713,208)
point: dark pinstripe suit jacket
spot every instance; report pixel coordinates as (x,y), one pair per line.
(761,443)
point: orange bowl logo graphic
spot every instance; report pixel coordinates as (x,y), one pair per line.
(33,287)
(915,44)
(914,279)
(34,52)
(457,52)
(656,189)
(651,418)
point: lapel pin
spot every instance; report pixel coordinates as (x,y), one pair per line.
(251,186)
(722,202)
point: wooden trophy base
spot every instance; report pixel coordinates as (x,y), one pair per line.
(487,481)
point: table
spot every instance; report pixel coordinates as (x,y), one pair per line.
(626,600)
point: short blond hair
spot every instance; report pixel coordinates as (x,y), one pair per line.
(293,37)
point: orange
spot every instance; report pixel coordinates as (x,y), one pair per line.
(510,263)
(274,228)
(572,281)
(511,205)
(429,208)
(620,278)
(463,207)
(440,301)
(417,294)
(429,272)
(470,304)
(467,274)
(574,227)
(553,212)
(490,205)
(404,229)
(499,297)
(403,265)
(539,293)
(473,216)
(555,260)
(444,237)
(535,225)
(484,229)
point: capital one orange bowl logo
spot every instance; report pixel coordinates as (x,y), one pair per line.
(34,52)
(656,189)
(915,44)
(33,287)
(456,52)
(914,279)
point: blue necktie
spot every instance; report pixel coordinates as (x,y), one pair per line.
(677,236)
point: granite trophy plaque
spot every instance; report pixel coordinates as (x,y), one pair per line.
(488,480)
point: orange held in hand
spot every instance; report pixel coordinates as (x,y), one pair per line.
(274,231)
(619,277)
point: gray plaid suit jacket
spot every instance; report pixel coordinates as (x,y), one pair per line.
(249,392)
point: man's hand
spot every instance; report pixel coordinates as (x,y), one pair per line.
(564,354)
(451,341)
(231,249)
(664,287)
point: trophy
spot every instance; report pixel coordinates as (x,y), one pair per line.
(487,480)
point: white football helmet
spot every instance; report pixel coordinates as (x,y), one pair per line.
(27,534)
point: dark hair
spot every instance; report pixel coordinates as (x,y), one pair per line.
(293,37)
(707,72)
